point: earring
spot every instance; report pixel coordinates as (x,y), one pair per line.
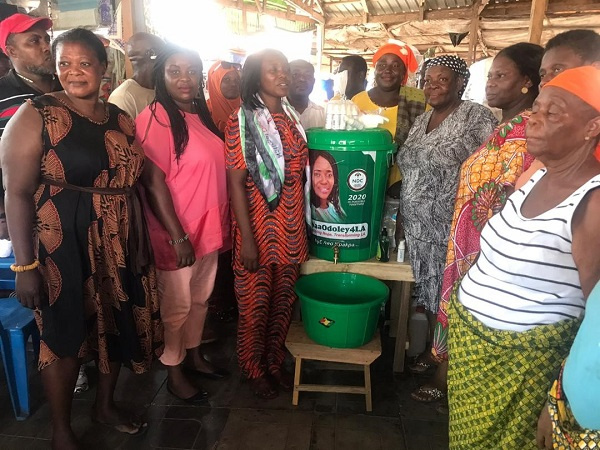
(524,90)
(587,138)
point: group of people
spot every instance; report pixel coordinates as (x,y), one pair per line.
(128,203)
(497,220)
(133,203)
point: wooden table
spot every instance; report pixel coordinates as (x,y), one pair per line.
(401,276)
(302,348)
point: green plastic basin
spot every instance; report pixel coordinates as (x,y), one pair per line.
(340,309)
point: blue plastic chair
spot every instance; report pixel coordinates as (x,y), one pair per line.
(17,324)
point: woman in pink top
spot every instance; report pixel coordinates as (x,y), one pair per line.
(188,218)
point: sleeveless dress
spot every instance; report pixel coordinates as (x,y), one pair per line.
(96,304)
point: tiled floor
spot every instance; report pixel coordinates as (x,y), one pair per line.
(234,419)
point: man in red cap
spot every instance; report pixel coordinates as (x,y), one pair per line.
(26,43)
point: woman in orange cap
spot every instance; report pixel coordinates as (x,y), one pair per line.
(390,97)
(516,312)
(223,91)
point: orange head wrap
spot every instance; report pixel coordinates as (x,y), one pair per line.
(401,51)
(220,107)
(582,82)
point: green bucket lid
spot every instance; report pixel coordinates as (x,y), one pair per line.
(373,139)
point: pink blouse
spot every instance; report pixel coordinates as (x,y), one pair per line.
(197,184)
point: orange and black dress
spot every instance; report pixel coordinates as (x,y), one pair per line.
(97,305)
(265,298)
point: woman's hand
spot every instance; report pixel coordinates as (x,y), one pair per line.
(249,254)
(185,254)
(544,430)
(30,289)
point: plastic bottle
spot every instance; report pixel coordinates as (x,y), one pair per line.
(383,249)
(418,328)
(392,239)
(401,248)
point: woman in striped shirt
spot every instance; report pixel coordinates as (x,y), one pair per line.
(518,308)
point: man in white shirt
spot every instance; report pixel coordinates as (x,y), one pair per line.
(134,94)
(302,83)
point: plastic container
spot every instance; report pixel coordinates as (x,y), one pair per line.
(418,328)
(347,202)
(401,249)
(340,309)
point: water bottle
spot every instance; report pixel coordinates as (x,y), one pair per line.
(383,248)
(418,328)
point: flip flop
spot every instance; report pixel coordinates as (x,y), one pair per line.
(427,394)
(419,367)
(126,428)
(262,389)
(284,379)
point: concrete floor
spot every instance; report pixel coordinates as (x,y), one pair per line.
(234,419)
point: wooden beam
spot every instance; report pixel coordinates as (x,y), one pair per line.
(127,30)
(320,36)
(536,22)
(473,32)
(310,11)
(244,18)
(492,11)
(365,6)
(484,48)
(258,6)
(422,10)
(270,12)
(320,5)
(344,2)
(387,31)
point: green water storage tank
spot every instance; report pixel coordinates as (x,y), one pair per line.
(349,172)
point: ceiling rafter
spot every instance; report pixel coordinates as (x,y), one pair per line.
(271,12)
(307,9)
(488,10)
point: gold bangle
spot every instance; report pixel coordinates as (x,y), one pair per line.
(34,265)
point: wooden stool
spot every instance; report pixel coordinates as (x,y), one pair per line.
(302,347)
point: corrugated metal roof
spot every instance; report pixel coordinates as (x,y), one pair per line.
(346,8)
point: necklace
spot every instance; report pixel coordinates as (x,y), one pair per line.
(80,114)
(24,78)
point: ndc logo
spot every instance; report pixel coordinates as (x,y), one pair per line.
(326,322)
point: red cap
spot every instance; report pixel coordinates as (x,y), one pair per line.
(19,23)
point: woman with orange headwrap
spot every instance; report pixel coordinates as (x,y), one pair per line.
(390,97)
(223,91)
(516,312)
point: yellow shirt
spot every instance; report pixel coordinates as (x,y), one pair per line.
(366,105)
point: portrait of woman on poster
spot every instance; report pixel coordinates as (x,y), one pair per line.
(325,190)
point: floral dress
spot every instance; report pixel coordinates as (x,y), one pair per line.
(487,178)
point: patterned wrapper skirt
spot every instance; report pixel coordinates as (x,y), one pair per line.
(566,433)
(498,380)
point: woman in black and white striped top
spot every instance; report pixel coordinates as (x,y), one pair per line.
(517,310)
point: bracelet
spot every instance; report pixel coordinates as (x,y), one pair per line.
(180,240)
(34,265)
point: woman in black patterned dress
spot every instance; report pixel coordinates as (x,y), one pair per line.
(70,165)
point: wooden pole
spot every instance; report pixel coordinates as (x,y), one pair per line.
(127,18)
(473,33)
(320,35)
(536,22)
